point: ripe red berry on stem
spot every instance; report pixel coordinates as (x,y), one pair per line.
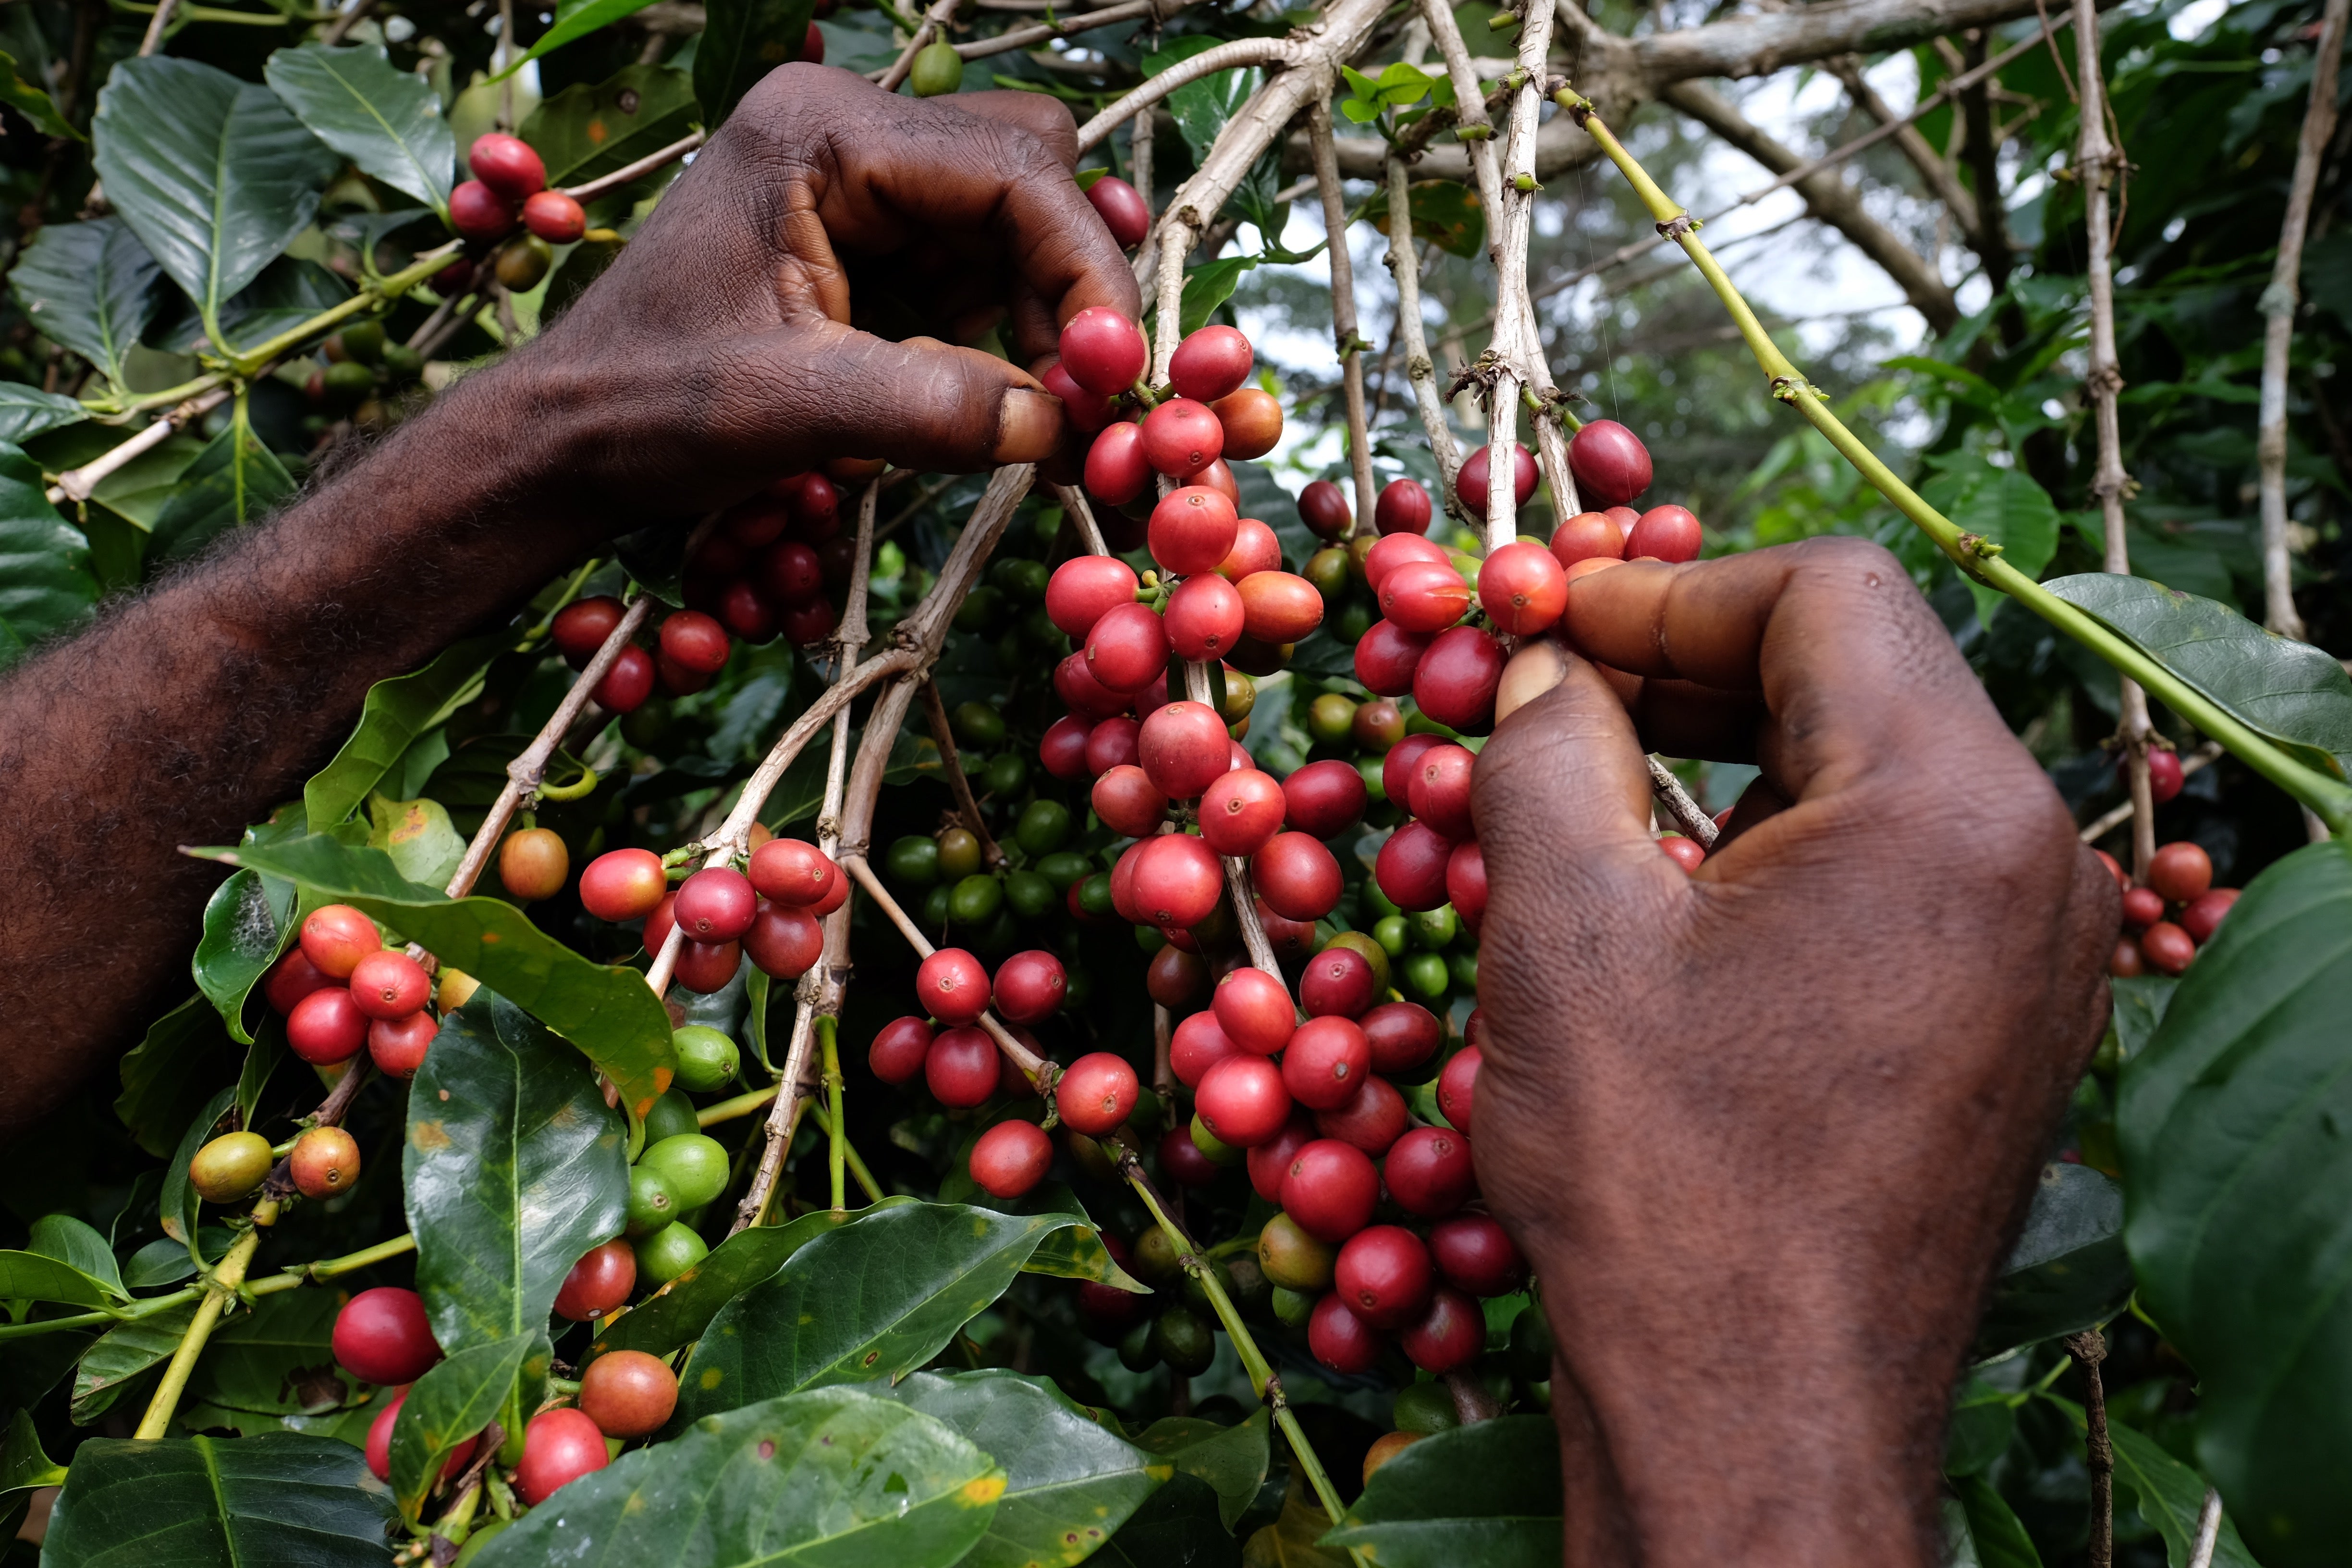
(1386,657)
(1458,1086)
(1340,1339)
(293,978)
(1457,680)
(792,871)
(1385,1275)
(1372,1120)
(1279,607)
(2164,775)
(783,943)
(1324,799)
(1324,509)
(1029,987)
(1198,1045)
(1063,749)
(581,627)
(1588,536)
(1522,588)
(335,937)
(599,1282)
(628,1393)
(1470,484)
(1097,1092)
(2143,907)
(1011,1158)
(1670,533)
(695,641)
(388,983)
(1400,550)
(1325,1062)
(627,683)
(1254,1010)
(1396,768)
(1126,646)
(508,165)
(1177,881)
(1193,529)
(1465,884)
(2167,947)
(715,904)
(961,1067)
(1181,1160)
(1082,692)
(1084,588)
(1252,422)
(1184,748)
(746,614)
(1180,438)
(554,217)
(1243,1100)
(898,1049)
(323,1161)
(1174,977)
(1297,876)
(326,1026)
(954,985)
(1339,982)
(1402,507)
(1330,1189)
(479,214)
(1123,210)
(1204,617)
(379,1444)
(1211,364)
(622,885)
(1429,1171)
(1086,412)
(706,968)
(1410,867)
(1609,462)
(1473,1253)
(381,1336)
(1128,802)
(1240,811)
(1424,596)
(397,1046)
(1439,790)
(1103,351)
(1117,469)
(559,1447)
(2181,872)
(2204,914)
(1450,1332)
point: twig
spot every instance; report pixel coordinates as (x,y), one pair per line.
(2108,822)
(219,1291)
(2089,1349)
(1345,339)
(149,1306)
(2209,1531)
(942,11)
(1420,370)
(2278,305)
(1223,57)
(638,169)
(1031,1064)
(154,40)
(1163,1073)
(1085,22)
(1669,792)
(1074,505)
(76,484)
(351,16)
(952,764)
(1141,153)
(1513,225)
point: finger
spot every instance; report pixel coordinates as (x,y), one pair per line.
(1047,118)
(1561,790)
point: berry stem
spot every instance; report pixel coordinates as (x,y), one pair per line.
(1420,370)
(1344,335)
(218,1291)
(865,1182)
(934,19)
(1031,1064)
(936,711)
(837,1128)
(1075,506)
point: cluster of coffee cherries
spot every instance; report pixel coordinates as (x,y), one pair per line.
(509,192)
(2173,913)
(767,911)
(339,989)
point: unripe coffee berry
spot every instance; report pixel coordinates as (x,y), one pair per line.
(628,1393)
(534,864)
(229,1166)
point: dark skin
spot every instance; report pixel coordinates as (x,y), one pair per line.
(1763,1131)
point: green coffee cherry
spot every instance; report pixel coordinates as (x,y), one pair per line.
(935,907)
(672,1115)
(983,609)
(975,900)
(938,69)
(1006,775)
(668,1253)
(363,341)
(1293,1259)
(1135,1351)
(696,1167)
(1393,935)
(1424,975)
(230,1166)
(913,862)
(1031,896)
(1208,1143)
(1435,928)
(1426,1408)
(1292,1307)
(705,1057)
(1043,828)
(977,724)
(958,853)
(348,382)
(1183,1341)
(652,1205)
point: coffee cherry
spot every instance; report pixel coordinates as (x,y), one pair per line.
(716,904)
(805,625)
(1184,749)
(1338,982)
(1587,536)
(379,1444)
(324,1160)
(2167,947)
(706,1058)
(1204,617)
(581,627)
(1063,749)
(1242,1100)
(954,985)
(1465,885)
(559,1447)
(1385,1275)
(1123,211)
(669,1252)
(1180,438)
(1279,607)
(1686,852)
(1325,1062)
(534,864)
(1183,1161)
(1523,589)
(1329,1188)
(1117,469)
(2203,916)
(1297,876)
(1126,646)
(1083,588)
(1372,1120)
(1011,1158)
(627,683)
(292,978)
(2127,961)
(508,165)
(792,871)
(1256,550)
(326,1026)
(599,1283)
(1174,977)
(695,641)
(523,262)
(1410,867)
(1254,1011)
(960,1068)
(2115,869)
(1211,364)
(1103,351)
(1252,421)
(1470,484)
(1608,463)
(1402,1035)
(381,1336)
(1097,1092)
(554,217)
(1340,1339)
(1402,507)
(397,1046)
(335,937)
(230,1166)
(706,968)
(1113,743)
(1127,803)
(2143,907)
(1457,678)
(1105,1310)
(1029,988)
(1429,1172)
(899,1049)
(2181,872)
(790,574)
(937,71)
(1086,413)
(652,1205)
(1671,533)
(628,1393)
(1396,550)
(1177,881)
(1193,529)
(1198,1045)
(1387,656)
(1450,1333)
(1439,791)
(1082,693)
(1424,596)
(1475,1254)
(1457,1084)
(622,885)
(479,214)
(2165,774)
(1397,767)
(1324,509)
(1240,811)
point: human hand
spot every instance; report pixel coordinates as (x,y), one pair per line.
(736,337)
(1765,1129)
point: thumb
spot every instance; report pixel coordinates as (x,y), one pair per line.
(919,404)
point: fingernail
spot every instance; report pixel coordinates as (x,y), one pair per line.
(1028,427)
(1533,670)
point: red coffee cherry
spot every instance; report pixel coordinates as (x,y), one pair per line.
(1404,507)
(1242,1100)
(2143,907)
(1289,939)
(1330,1189)
(293,978)
(1128,803)
(816,506)
(508,165)
(1383,1273)
(479,214)
(1470,484)
(2167,947)
(716,904)
(758,522)
(1465,884)
(790,574)
(599,1283)
(954,985)
(1086,413)
(381,1337)
(2165,774)
(659,923)
(2115,868)
(1457,678)
(1450,1333)
(1340,1339)
(1422,596)
(1117,469)
(695,641)
(1297,876)
(2127,961)
(1523,589)
(1686,852)
(792,871)
(1429,1171)
(783,943)
(1127,647)
(1241,810)
(335,937)
(1184,748)
(961,1067)
(1608,463)
(379,1444)
(1439,792)
(1325,1062)
(326,1026)
(1256,549)
(581,627)
(1387,656)
(1198,1045)
(1254,1010)
(898,1049)
(706,968)
(1279,607)
(746,614)
(1181,1160)
(1029,987)
(1011,1158)
(1323,507)
(559,1447)
(1114,744)
(1174,977)
(1085,586)
(1401,549)
(1473,1253)
(1671,533)
(1097,1092)
(676,678)
(324,1160)
(1204,617)
(1082,693)
(627,683)
(1458,1085)
(1588,536)
(1122,885)
(1410,867)
(805,625)
(622,885)
(2181,872)
(1103,351)
(397,1046)
(2203,916)
(1123,210)
(1063,750)
(1325,799)
(1180,438)
(388,983)
(1402,1035)
(628,1393)
(1338,982)
(1211,364)
(554,217)
(1252,422)
(1372,1120)
(1108,1311)
(1177,881)
(1193,529)
(1269,1162)
(1396,768)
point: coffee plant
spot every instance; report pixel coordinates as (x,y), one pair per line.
(934,1019)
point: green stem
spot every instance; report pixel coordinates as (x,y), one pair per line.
(254,360)
(864,1177)
(1262,1377)
(1978,558)
(146,400)
(836,1133)
(219,1291)
(730,1109)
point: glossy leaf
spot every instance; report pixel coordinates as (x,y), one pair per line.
(385,120)
(1487,1493)
(513,1168)
(31,1277)
(2169,1495)
(167,1075)
(2289,690)
(876,1299)
(676,1315)
(45,585)
(277,1359)
(577,19)
(235,481)
(1070,1481)
(289,293)
(2140,1003)
(28,411)
(831,1475)
(121,1356)
(2230,1123)
(22,1465)
(396,711)
(1983,1422)
(1176,1527)
(444,1408)
(166,1261)
(743,41)
(246,925)
(90,285)
(216,175)
(1077,1253)
(608,1012)
(417,834)
(33,103)
(1231,1461)
(202,1502)
(1208,286)
(2068,1269)
(74,1244)
(1201,108)
(584,132)
(1993,1537)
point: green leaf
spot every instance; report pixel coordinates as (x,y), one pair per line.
(1446,212)
(1996,1538)
(45,585)
(584,132)
(2291,692)
(831,1476)
(289,293)
(90,285)
(1070,1481)
(235,481)
(31,1277)
(216,175)
(1403,83)
(1231,1461)
(1983,1422)
(743,41)
(417,834)
(22,1465)
(1487,1493)
(2231,1125)
(677,1315)
(396,711)
(2003,505)
(2068,1269)
(1077,1253)
(1177,1527)
(876,1299)
(121,1356)
(202,1502)
(577,19)
(166,1261)
(1359,110)
(1294,1539)
(2169,1495)
(1202,107)
(608,1012)
(2140,1003)
(28,411)
(448,1405)
(246,921)
(276,1360)
(33,103)
(513,1168)
(387,121)
(73,1243)
(1208,286)
(166,1077)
